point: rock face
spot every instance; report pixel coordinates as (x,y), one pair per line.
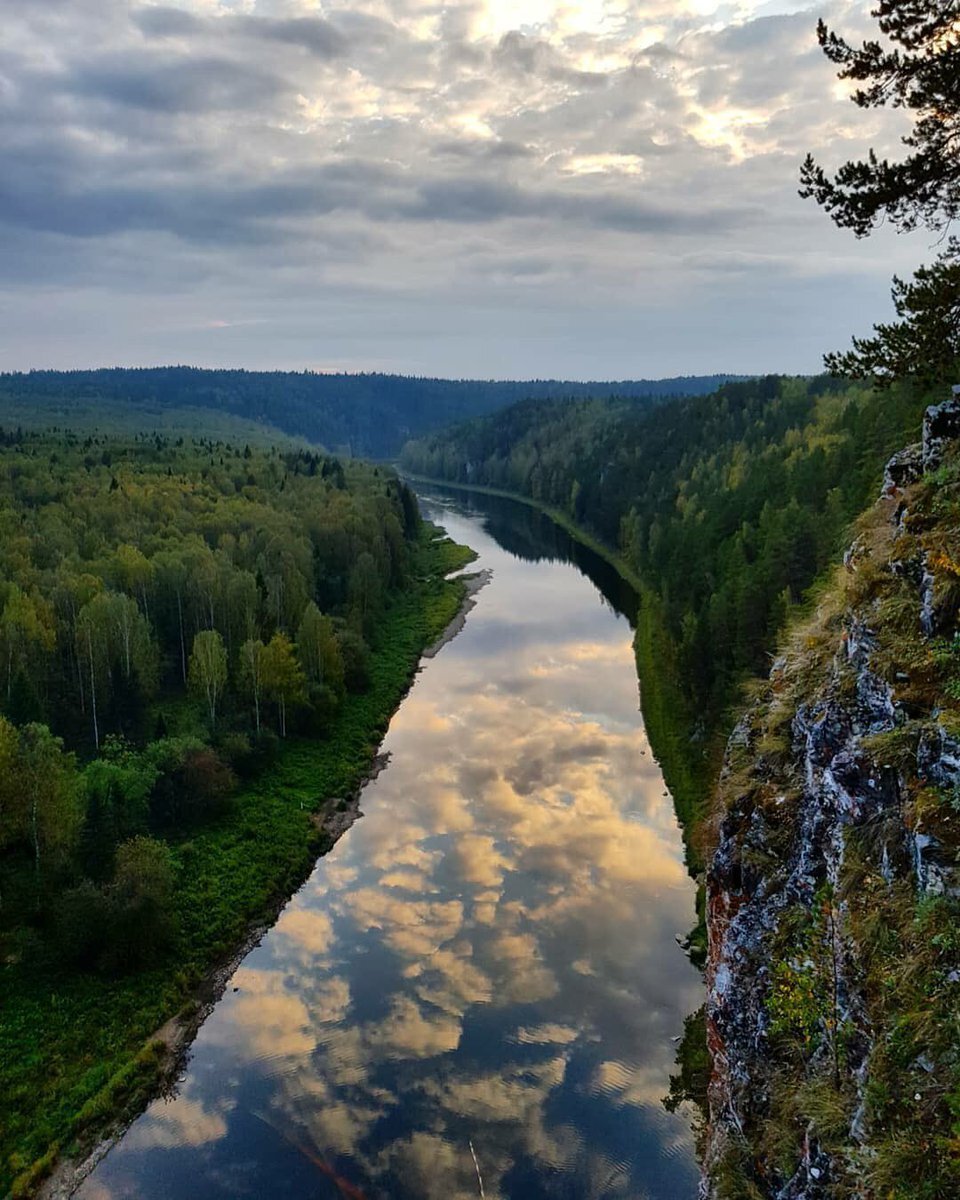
(808,774)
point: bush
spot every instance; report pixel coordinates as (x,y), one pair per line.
(207,781)
(141,901)
(356,660)
(264,749)
(83,924)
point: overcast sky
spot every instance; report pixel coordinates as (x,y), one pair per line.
(507,188)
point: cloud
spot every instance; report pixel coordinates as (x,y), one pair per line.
(187,85)
(489,955)
(421,184)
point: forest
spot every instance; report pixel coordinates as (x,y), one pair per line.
(369,415)
(727,507)
(200,642)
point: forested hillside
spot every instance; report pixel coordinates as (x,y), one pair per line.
(727,506)
(370,415)
(172,613)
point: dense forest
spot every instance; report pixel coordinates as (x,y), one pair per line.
(726,506)
(168,610)
(172,613)
(370,415)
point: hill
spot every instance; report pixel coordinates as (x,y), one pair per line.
(727,507)
(368,415)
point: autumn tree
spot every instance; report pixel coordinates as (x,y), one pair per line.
(208,669)
(133,573)
(26,630)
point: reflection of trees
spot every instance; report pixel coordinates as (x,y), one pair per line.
(529,534)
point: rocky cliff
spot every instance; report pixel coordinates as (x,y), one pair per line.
(833,1014)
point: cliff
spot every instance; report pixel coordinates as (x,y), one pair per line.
(833,1013)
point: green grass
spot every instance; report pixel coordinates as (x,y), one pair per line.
(75,1053)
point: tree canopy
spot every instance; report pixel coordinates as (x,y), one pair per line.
(925,342)
(916,69)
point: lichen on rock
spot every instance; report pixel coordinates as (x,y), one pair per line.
(833,973)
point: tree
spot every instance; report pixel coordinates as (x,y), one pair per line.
(208,669)
(925,343)
(172,574)
(318,649)
(133,572)
(282,678)
(46,780)
(251,672)
(142,897)
(93,638)
(365,590)
(919,71)
(11,810)
(116,789)
(26,626)
(130,641)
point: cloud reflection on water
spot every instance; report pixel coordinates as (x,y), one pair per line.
(488,956)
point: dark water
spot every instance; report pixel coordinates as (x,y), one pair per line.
(487,958)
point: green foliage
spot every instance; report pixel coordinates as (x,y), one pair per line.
(368,414)
(726,506)
(924,343)
(689,1086)
(71,1042)
(207,671)
(946,656)
(918,70)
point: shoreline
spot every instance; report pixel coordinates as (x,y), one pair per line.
(165,1052)
(472,585)
(557,515)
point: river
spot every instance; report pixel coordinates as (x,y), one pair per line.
(481,982)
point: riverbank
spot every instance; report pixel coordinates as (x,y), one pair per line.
(557,515)
(689,768)
(82,1054)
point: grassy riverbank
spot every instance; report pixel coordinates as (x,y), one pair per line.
(76,1053)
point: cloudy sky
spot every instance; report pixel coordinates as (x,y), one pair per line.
(591,189)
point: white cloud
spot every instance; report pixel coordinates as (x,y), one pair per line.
(368,181)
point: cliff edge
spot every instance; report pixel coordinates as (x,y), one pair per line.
(833,975)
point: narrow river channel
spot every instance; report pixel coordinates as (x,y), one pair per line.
(481,981)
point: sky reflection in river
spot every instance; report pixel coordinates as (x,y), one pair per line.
(488,957)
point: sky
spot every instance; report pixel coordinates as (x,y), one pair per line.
(488,188)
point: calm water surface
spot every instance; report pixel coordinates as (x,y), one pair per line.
(486,958)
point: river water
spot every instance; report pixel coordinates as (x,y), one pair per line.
(481,981)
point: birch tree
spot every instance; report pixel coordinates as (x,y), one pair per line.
(208,669)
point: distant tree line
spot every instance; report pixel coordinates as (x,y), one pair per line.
(371,415)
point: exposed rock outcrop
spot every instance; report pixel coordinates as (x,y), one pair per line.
(837,801)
